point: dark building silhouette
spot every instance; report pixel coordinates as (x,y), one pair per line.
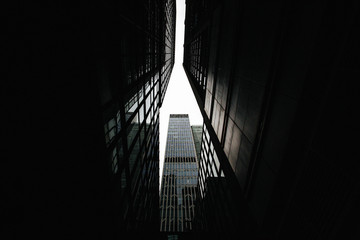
(275,82)
(81,96)
(179,180)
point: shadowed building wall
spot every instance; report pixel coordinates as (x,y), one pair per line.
(275,85)
(84,86)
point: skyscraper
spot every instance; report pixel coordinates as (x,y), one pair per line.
(179,180)
(132,129)
(269,79)
(85,83)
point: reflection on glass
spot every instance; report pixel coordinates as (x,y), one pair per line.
(148,119)
(117,156)
(147,103)
(132,130)
(141,96)
(131,106)
(111,128)
(133,155)
(118,121)
(114,162)
(141,114)
(147,88)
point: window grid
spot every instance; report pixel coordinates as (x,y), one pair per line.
(179,183)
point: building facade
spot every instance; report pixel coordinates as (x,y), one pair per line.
(131,115)
(86,81)
(179,180)
(265,78)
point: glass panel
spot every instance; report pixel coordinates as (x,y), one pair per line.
(216,161)
(133,155)
(147,88)
(157,87)
(152,112)
(147,103)
(112,127)
(148,119)
(141,114)
(207,135)
(131,106)
(214,170)
(157,100)
(118,121)
(132,130)
(141,96)
(114,162)
(117,156)
(131,102)
(206,148)
(142,134)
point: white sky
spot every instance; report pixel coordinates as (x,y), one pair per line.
(179,97)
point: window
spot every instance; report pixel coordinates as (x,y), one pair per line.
(132,130)
(147,103)
(148,119)
(114,162)
(110,130)
(141,95)
(131,106)
(112,127)
(141,113)
(117,156)
(216,161)
(142,134)
(147,88)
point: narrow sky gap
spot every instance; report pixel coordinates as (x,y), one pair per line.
(179,97)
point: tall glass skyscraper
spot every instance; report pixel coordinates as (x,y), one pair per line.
(131,112)
(179,181)
(84,90)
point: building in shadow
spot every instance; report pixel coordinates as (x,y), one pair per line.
(83,89)
(275,83)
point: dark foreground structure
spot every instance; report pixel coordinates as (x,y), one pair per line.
(80,99)
(276,85)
